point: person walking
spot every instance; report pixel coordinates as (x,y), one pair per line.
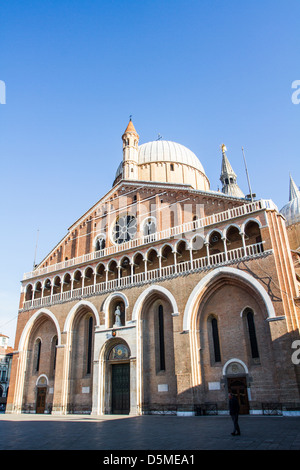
(234,409)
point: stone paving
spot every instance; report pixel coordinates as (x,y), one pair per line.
(172,433)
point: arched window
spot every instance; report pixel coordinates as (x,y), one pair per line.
(38,346)
(100,243)
(149,226)
(215,339)
(54,345)
(252,334)
(162,361)
(89,345)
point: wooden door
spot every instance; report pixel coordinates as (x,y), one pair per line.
(41,399)
(238,387)
(120,388)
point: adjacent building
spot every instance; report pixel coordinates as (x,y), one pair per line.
(5,367)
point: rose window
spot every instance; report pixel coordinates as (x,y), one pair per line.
(124,229)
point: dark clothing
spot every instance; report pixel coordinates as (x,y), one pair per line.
(234,406)
(234,409)
(236,428)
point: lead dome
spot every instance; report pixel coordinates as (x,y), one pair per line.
(159,161)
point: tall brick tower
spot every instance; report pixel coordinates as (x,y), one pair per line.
(130,152)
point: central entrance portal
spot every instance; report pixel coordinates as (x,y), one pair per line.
(121,388)
(238,387)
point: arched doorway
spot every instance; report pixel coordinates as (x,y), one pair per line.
(118,363)
(41,394)
(116,377)
(237,384)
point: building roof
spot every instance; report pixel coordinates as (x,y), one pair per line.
(165,151)
(130,128)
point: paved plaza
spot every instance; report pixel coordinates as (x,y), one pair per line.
(173,433)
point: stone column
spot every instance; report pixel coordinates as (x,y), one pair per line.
(61,381)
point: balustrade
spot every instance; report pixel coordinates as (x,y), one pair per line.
(157,274)
(187,227)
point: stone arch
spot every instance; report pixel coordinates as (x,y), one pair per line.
(159,289)
(79,326)
(72,312)
(208,235)
(247,278)
(152,248)
(109,305)
(28,291)
(104,383)
(35,361)
(153,312)
(233,360)
(28,327)
(42,376)
(251,219)
(205,297)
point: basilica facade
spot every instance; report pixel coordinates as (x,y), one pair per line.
(163,297)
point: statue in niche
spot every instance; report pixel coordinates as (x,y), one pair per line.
(118,316)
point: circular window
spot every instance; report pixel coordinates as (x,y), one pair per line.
(124,229)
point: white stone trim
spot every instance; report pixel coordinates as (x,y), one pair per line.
(193,298)
(42,375)
(73,310)
(107,302)
(235,360)
(155,288)
(25,334)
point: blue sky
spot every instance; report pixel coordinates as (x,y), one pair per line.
(197,72)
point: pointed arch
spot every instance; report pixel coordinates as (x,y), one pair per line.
(194,297)
(109,299)
(162,290)
(28,327)
(73,311)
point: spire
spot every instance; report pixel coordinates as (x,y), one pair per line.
(130,128)
(294,190)
(228,177)
(130,152)
(226,167)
